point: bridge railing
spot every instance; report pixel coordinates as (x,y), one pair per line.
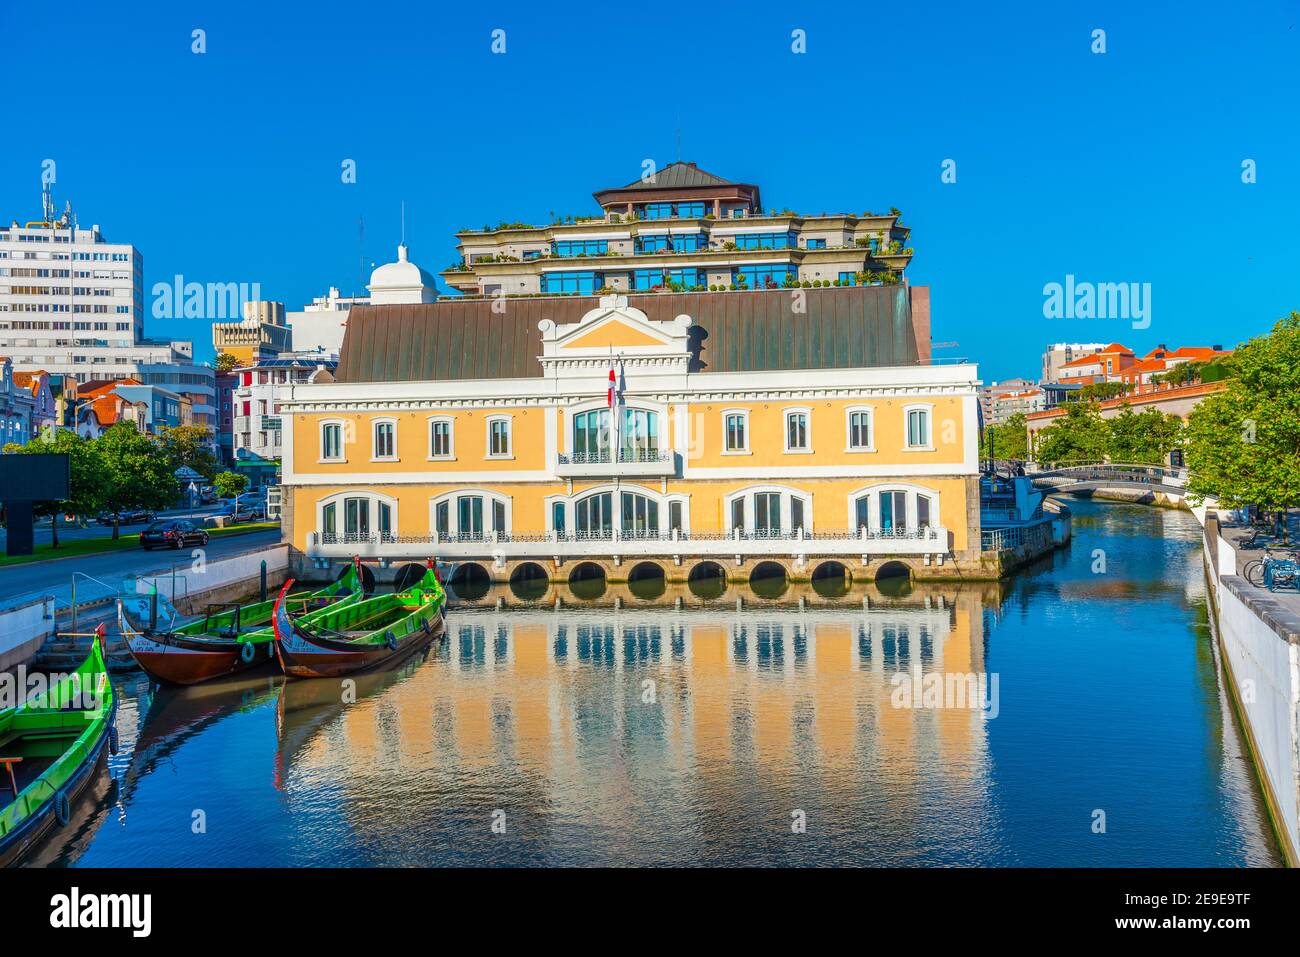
(1133,472)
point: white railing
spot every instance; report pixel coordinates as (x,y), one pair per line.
(784,542)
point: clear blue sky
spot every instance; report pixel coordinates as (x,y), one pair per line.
(1125,166)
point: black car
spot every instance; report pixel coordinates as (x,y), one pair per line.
(130,516)
(172,534)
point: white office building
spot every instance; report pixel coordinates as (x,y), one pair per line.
(72,303)
(320,325)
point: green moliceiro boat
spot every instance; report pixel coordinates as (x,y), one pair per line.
(228,641)
(50,748)
(360,636)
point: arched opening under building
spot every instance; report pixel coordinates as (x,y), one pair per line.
(408,575)
(587,581)
(469,581)
(894,579)
(831,579)
(646,580)
(366,574)
(768,580)
(529,581)
(707,581)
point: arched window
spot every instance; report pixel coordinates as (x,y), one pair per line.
(591,436)
(918,427)
(640,436)
(894,510)
(356,517)
(769,511)
(469,515)
(634,512)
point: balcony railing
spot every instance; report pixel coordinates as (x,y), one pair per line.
(618,541)
(626,461)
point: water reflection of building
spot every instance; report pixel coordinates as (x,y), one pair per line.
(560,701)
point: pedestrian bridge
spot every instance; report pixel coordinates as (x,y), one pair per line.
(1089,476)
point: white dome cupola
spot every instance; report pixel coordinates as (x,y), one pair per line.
(401,282)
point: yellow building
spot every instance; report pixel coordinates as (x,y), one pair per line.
(261,334)
(794,426)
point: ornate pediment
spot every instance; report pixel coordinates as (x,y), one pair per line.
(615,330)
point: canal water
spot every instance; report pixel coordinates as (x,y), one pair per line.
(1093,731)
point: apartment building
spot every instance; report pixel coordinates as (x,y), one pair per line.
(682,229)
(72,303)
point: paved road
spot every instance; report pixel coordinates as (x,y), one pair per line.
(75,533)
(55,577)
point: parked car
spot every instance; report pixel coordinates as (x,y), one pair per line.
(126,517)
(245,512)
(172,534)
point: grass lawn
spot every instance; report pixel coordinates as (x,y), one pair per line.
(97,546)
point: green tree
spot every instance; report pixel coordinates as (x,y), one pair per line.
(229,484)
(1146,438)
(189,445)
(137,471)
(1101,391)
(1006,441)
(1079,435)
(226,362)
(87,486)
(1243,444)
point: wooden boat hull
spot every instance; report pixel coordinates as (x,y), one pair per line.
(303,654)
(181,660)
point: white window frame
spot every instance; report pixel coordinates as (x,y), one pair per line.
(510,437)
(928,409)
(343,445)
(873,493)
(787,492)
(450,421)
(744,414)
(373,501)
(806,412)
(374,439)
(870,413)
(453,513)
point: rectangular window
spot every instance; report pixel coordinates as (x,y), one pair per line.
(922,512)
(329,522)
(557,517)
(736,433)
(356,517)
(442,519)
(796,513)
(766,241)
(848,279)
(499,437)
(796,432)
(893,511)
(763,277)
(498,516)
(918,428)
(584,283)
(332,441)
(738,514)
(859,430)
(675,516)
(767,512)
(385,440)
(816,244)
(440,439)
(581,247)
(862,510)
(385,521)
(469,517)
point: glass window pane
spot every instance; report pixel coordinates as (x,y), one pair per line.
(442,518)
(796,513)
(864,511)
(922,512)
(499,516)
(738,513)
(328,519)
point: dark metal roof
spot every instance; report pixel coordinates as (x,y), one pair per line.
(678,175)
(757,331)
